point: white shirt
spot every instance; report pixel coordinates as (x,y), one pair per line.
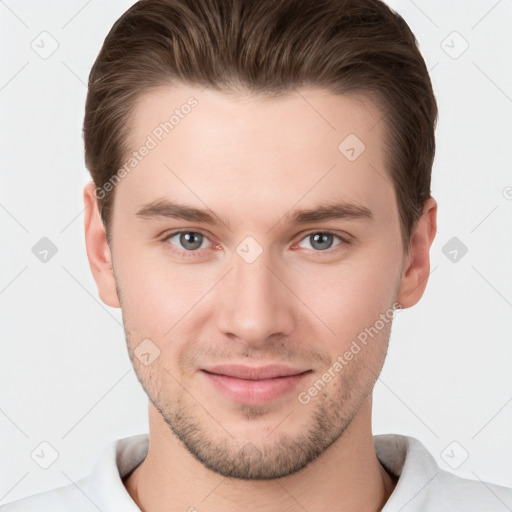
(422,486)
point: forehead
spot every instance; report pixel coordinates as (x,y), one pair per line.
(213,115)
(210,147)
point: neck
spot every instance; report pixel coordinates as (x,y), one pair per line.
(347,476)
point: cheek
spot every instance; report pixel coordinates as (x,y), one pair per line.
(155,290)
(352,295)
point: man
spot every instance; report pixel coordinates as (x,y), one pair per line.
(260,203)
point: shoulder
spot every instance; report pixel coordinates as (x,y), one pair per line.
(102,489)
(424,487)
(60,499)
(463,494)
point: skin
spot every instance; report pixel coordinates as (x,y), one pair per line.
(252,161)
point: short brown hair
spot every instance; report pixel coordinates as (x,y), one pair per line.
(267,47)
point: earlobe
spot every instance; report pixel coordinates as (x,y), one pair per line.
(98,250)
(416,268)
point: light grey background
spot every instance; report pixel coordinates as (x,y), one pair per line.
(65,374)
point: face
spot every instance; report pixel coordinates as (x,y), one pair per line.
(257,278)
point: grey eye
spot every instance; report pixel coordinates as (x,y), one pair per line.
(320,241)
(189,240)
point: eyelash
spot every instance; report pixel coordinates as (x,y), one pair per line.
(344,242)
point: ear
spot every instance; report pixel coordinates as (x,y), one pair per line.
(98,250)
(416,268)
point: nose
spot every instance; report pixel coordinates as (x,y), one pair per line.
(254,304)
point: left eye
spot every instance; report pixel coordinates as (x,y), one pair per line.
(189,240)
(321,241)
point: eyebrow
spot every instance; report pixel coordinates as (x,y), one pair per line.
(168,209)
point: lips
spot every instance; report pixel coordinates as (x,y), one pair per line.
(254,385)
(255,373)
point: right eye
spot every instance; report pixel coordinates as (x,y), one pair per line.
(186,241)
